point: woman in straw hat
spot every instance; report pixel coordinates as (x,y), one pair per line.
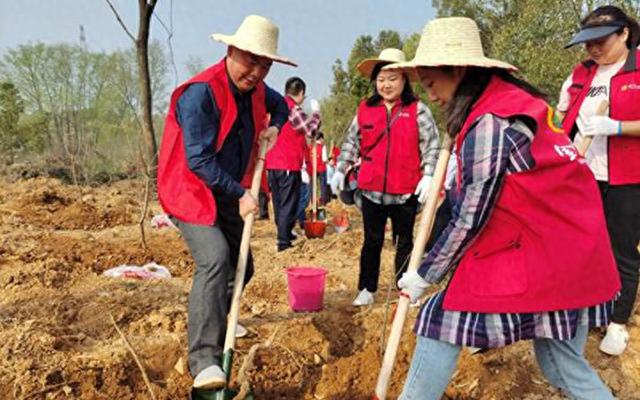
(526,245)
(206,161)
(611,75)
(396,139)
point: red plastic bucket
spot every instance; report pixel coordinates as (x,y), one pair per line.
(314,229)
(306,288)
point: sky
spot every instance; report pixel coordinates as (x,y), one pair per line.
(313,33)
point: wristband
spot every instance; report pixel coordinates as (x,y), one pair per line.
(619,128)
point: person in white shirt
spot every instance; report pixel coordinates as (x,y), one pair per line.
(611,74)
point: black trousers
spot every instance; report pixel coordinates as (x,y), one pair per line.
(285,194)
(622,210)
(263,200)
(403,217)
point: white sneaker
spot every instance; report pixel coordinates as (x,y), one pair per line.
(241,331)
(364,298)
(212,377)
(616,339)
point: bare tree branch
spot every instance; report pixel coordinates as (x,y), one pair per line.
(115,12)
(169,31)
(145,207)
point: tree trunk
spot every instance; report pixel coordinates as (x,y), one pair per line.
(144,83)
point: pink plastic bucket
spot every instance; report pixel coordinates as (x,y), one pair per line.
(306,288)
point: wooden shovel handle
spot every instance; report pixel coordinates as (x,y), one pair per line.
(424,231)
(587,140)
(314,179)
(238,283)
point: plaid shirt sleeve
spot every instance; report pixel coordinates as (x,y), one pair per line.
(428,140)
(302,123)
(350,150)
(493,148)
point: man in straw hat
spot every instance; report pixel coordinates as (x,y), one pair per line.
(207,155)
(526,245)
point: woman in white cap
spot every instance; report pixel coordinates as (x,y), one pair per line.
(611,75)
(396,139)
(526,244)
(206,161)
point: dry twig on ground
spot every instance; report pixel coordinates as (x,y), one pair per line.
(243,380)
(48,388)
(135,357)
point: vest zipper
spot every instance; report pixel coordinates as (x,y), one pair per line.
(386,160)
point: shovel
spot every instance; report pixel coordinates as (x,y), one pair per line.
(315,226)
(238,284)
(424,230)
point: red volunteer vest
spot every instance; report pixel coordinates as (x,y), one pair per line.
(181,193)
(545,246)
(322,167)
(288,152)
(624,101)
(335,153)
(389,148)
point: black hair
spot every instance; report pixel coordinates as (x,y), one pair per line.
(294,86)
(406,97)
(605,14)
(471,87)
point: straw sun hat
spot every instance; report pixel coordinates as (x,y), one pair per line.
(453,41)
(388,55)
(258,36)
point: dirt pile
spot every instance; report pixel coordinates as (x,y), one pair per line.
(57,339)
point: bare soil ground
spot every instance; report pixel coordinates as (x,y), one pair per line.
(57,340)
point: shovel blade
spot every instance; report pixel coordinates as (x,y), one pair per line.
(222,394)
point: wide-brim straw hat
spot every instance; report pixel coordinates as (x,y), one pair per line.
(258,36)
(452,41)
(386,56)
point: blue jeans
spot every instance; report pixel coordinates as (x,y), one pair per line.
(561,362)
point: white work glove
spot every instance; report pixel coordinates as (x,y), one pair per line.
(315,106)
(413,285)
(304,175)
(422,190)
(337,182)
(601,126)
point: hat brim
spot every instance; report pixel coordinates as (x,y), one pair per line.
(366,66)
(476,62)
(591,33)
(232,40)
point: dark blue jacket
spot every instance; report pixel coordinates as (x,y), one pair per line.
(199,117)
